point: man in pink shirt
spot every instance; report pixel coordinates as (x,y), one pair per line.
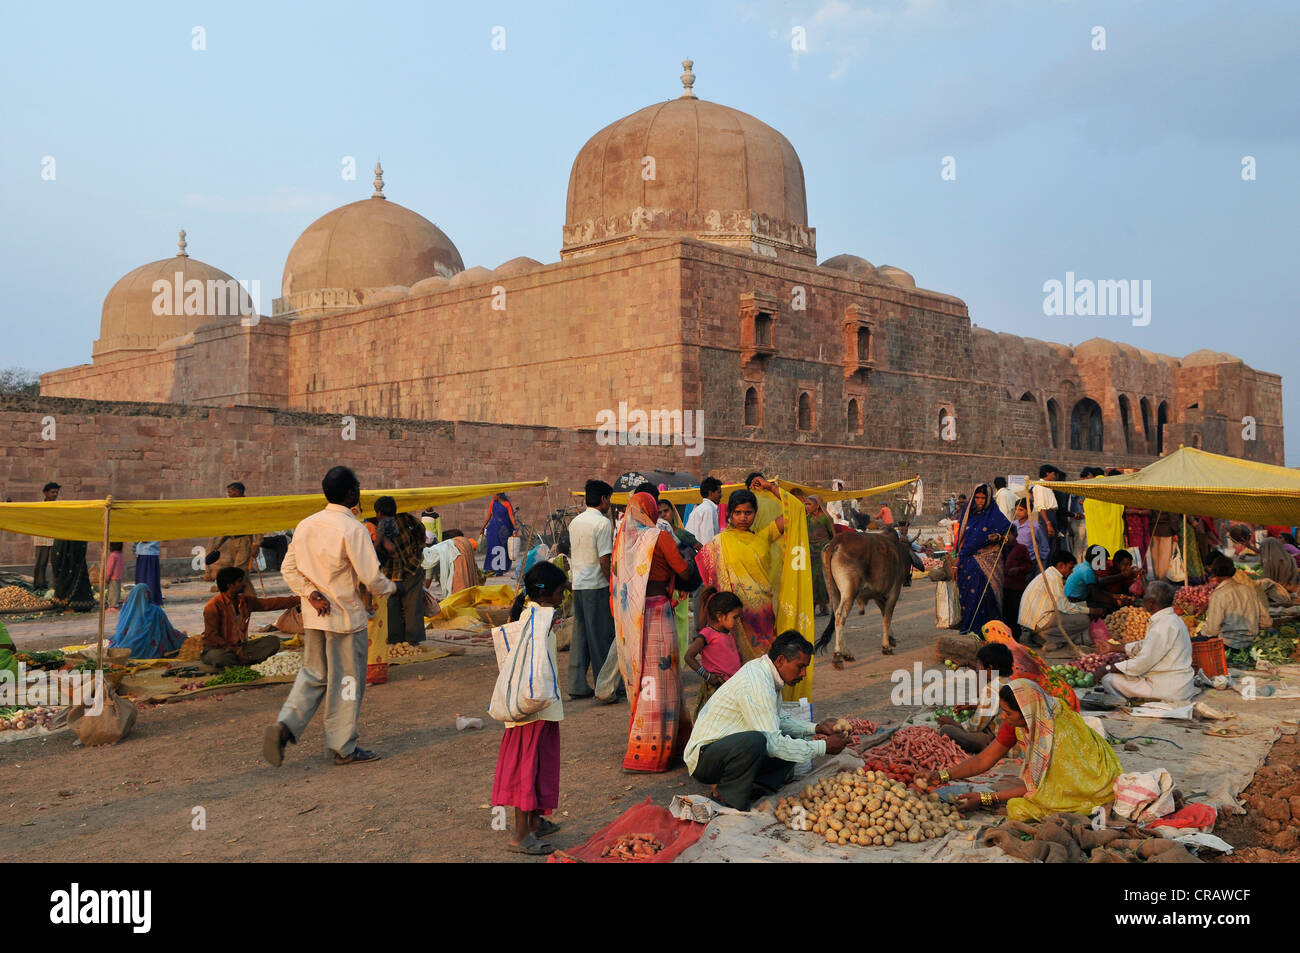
(330,555)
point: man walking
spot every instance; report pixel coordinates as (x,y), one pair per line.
(401,537)
(331,552)
(591,547)
(51,493)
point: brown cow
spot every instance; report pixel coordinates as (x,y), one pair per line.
(860,567)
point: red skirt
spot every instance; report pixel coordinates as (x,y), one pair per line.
(528,767)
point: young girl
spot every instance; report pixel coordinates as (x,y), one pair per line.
(713,653)
(113,573)
(528,764)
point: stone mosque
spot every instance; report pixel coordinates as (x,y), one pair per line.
(687,279)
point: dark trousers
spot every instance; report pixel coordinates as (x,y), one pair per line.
(254,651)
(406,610)
(739,765)
(1011,607)
(43,563)
(148,574)
(593,634)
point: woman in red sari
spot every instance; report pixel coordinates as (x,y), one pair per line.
(645,567)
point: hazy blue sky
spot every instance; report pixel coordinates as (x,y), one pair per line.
(1117,164)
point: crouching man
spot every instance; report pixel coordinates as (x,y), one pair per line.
(225,622)
(742,742)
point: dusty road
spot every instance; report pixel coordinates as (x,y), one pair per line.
(426,800)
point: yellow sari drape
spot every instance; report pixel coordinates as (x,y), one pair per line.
(794,605)
(1105,525)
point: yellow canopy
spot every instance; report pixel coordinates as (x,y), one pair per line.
(1194,482)
(691,495)
(187,519)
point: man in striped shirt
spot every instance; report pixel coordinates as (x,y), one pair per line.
(742,742)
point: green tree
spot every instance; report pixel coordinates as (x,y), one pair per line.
(19,380)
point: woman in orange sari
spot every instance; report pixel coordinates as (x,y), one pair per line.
(1026,663)
(644,568)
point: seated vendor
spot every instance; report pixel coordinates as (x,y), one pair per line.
(1238,608)
(743,743)
(1161,663)
(1102,592)
(1045,610)
(225,622)
(1067,766)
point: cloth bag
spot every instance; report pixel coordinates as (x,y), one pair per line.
(1144,796)
(947,606)
(527,682)
(110,725)
(1177,566)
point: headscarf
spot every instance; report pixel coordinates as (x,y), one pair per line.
(1277,563)
(144,628)
(1039,710)
(817,502)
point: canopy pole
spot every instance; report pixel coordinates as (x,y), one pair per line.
(103,588)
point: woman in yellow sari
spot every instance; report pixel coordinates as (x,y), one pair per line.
(1068,767)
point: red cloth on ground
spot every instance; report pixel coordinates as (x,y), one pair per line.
(528,767)
(644,818)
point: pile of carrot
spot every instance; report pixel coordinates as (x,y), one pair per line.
(920,748)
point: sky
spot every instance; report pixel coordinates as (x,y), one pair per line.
(1104,139)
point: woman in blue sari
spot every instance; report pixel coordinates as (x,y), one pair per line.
(498,529)
(979,560)
(144,628)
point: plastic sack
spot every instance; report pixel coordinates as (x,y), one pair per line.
(1100,635)
(947,606)
(644,818)
(528,681)
(1144,796)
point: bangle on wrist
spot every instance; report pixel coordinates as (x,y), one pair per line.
(703,672)
(944,776)
(987,799)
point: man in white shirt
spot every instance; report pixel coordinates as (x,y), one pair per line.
(742,742)
(591,547)
(703,521)
(330,555)
(1161,664)
(42,545)
(1005,498)
(1044,605)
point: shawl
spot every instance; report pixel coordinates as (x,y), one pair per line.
(630,568)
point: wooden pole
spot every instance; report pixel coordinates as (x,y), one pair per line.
(103,571)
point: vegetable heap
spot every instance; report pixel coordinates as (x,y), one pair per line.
(46,660)
(18,599)
(401,649)
(283,663)
(633,847)
(1193,600)
(1085,672)
(867,809)
(1074,677)
(234,675)
(854,728)
(920,748)
(1128,624)
(20,719)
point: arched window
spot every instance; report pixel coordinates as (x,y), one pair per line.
(854,417)
(763,329)
(1146,421)
(1054,422)
(1196,440)
(1126,423)
(805,421)
(751,407)
(1162,418)
(864,345)
(1085,426)
(1028,397)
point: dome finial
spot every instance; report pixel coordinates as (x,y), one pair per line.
(379,182)
(688,80)
(182,253)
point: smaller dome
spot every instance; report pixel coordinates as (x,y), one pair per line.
(1097,347)
(895,276)
(429,285)
(516,266)
(471,277)
(854,265)
(136,318)
(1203,357)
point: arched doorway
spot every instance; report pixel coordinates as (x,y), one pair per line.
(1086,426)
(1162,418)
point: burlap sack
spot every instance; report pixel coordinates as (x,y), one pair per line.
(110,726)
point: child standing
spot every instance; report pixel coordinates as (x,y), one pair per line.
(713,653)
(113,574)
(528,764)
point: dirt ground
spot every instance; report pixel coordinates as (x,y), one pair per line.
(426,800)
(1270,830)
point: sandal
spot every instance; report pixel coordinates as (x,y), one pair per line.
(532,845)
(545,827)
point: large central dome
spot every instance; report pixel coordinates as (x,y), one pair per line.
(689,168)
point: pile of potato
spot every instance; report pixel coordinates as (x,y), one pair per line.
(282,663)
(18,599)
(1128,624)
(867,809)
(401,650)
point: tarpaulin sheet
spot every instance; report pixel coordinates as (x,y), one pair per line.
(691,495)
(1197,483)
(186,519)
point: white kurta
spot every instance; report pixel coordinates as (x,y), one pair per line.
(1163,658)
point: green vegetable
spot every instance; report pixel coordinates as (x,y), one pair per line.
(234,675)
